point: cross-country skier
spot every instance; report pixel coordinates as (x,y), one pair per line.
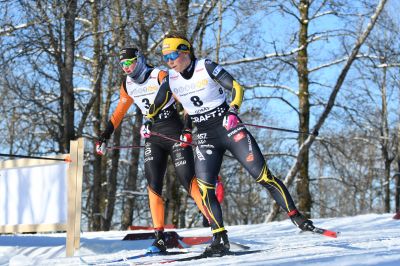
(140,86)
(199,85)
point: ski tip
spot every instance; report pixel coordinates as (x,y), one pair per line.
(331,233)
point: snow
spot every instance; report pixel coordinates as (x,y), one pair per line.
(371,239)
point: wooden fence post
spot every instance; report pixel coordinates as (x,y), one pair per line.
(75,173)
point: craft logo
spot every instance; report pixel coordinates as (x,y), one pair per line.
(218,112)
(205,117)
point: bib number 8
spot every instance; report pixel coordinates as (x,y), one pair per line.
(196,101)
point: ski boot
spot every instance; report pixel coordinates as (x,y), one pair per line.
(219,245)
(300,221)
(159,244)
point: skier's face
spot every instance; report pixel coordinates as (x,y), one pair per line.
(177,60)
(128,65)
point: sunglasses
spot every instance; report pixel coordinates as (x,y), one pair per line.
(128,62)
(172,56)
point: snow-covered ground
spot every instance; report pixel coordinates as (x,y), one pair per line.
(372,239)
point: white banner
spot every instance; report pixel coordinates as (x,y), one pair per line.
(34,195)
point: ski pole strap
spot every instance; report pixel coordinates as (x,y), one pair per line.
(282,129)
(66,159)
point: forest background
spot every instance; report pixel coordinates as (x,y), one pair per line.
(330,66)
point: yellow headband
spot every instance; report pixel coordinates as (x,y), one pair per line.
(172,44)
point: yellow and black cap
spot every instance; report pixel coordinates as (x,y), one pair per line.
(173,44)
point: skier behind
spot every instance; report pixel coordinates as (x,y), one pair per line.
(140,86)
(199,85)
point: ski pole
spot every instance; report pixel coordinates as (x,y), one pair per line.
(124,147)
(176,140)
(66,159)
(282,129)
(179,141)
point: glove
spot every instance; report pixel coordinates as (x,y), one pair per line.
(101,146)
(231,120)
(186,136)
(145,130)
(101,143)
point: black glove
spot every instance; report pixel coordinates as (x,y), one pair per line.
(101,143)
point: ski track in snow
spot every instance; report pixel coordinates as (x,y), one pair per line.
(371,239)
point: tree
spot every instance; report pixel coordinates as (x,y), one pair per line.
(329,105)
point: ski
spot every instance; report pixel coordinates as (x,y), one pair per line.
(325,232)
(134,257)
(321,231)
(173,240)
(204,256)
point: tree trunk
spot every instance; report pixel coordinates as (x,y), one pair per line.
(131,184)
(100,176)
(182,12)
(385,141)
(397,192)
(112,182)
(66,75)
(302,186)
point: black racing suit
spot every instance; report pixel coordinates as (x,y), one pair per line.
(157,149)
(156,154)
(213,140)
